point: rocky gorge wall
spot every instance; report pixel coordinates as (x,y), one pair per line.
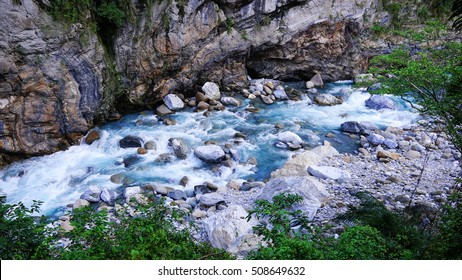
(57,79)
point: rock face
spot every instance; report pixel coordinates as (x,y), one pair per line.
(57,80)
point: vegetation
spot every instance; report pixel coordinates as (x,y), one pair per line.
(152,233)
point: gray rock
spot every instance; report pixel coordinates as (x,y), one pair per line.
(211,91)
(173,102)
(230,101)
(390,144)
(291,139)
(375,139)
(162,190)
(280,94)
(108,196)
(150,145)
(92,194)
(317,80)
(267,99)
(328,172)
(378,102)
(163,110)
(117,178)
(176,194)
(131,142)
(412,154)
(80,203)
(352,127)
(180,148)
(417,147)
(201,189)
(368,126)
(210,199)
(313,193)
(326,99)
(210,153)
(309,85)
(184,181)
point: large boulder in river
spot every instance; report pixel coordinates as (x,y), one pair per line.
(211,91)
(352,127)
(92,194)
(313,193)
(173,102)
(210,153)
(325,99)
(180,148)
(378,102)
(290,139)
(230,101)
(131,142)
(317,80)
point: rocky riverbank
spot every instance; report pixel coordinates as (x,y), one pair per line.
(411,166)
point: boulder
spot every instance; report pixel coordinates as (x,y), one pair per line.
(141,151)
(80,203)
(387,155)
(131,191)
(211,91)
(131,160)
(92,194)
(297,166)
(109,196)
(326,99)
(227,229)
(390,144)
(313,193)
(378,102)
(163,110)
(317,80)
(117,178)
(230,101)
(179,147)
(280,94)
(168,121)
(329,172)
(131,142)
(290,139)
(92,136)
(209,153)
(173,102)
(375,139)
(202,106)
(176,194)
(150,145)
(352,127)
(201,189)
(309,85)
(163,190)
(211,199)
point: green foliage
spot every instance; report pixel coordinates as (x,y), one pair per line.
(151,234)
(229,25)
(21,235)
(361,243)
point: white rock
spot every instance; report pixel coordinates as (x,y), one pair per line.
(211,91)
(131,191)
(309,85)
(210,199)
(289,137)
(230,101)
(173,102)
(329,172)
(210,153)
(92,194)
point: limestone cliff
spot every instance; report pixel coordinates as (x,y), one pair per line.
(57,80)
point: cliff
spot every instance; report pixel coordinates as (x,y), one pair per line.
(58,79)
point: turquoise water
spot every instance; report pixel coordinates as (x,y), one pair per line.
(59,179)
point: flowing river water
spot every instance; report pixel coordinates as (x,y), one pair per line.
(59,179)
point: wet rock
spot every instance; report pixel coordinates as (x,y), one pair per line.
(131,142)
(184,181)
(329,172)
(309,85)
(200,97)
(378,102)
(211,91)
(117,178)
(202,106)
(317,80)
(201,189)
(180,148)
(92,136)
(230,101)
(210,153)
(173,102)
(280,94)
(352,127)
(290,139)
(150,145)
(211,186)
(142,151)
(130,160)
(326,99)
(267,99)
(168,121)
(92,194)
(163,110)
